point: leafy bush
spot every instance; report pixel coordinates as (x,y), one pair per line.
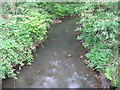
(25,25)
(100,33)
(63,10)
(18,34)
(14,42)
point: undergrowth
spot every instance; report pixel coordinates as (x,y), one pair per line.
(23,23)
(100,33)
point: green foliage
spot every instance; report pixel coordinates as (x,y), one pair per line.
(63,9)
(25,25)
(14,43)
(100,33)
(59,9)
(18,35)
(109,72)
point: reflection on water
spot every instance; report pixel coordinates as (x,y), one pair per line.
(52,67)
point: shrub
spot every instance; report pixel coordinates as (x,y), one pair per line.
(100,34)
(25,25)
(18,34)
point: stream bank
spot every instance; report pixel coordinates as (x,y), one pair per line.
(57,64)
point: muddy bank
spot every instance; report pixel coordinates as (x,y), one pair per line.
(57,63)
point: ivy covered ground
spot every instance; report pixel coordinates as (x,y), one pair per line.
(24,25)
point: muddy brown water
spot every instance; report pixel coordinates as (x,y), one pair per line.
(58,64)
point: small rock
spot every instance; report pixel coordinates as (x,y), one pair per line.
(57,21)
(96,76)
(81,56)
(69,55)
(37,72)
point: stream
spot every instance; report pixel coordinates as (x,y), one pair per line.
(58,63)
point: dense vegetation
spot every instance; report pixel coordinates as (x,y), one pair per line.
(100,33)
(24,25)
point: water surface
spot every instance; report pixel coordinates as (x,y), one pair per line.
(58,64)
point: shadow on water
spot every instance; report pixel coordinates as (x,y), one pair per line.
(58,64)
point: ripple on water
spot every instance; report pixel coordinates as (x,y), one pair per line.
(50,82)
(55,63)
(53,70)
(73,85)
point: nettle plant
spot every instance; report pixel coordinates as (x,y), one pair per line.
(100,33)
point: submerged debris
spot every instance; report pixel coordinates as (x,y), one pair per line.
(56,21)
(37,72)
(69,55)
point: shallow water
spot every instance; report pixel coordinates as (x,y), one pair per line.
(52,67)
